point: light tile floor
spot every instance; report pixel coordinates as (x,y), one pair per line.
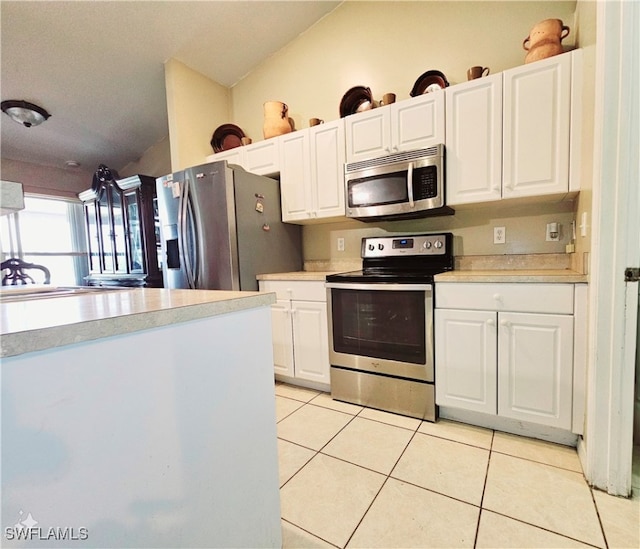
(357,477)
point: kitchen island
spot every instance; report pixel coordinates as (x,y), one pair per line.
(139,418)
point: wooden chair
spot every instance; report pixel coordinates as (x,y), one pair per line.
(16,274)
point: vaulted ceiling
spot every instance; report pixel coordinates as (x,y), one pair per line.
(98,67)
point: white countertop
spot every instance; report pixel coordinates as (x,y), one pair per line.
(513,275)
(43,323)
(297,275)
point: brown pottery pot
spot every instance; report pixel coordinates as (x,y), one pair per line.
(545,39)
(276,120)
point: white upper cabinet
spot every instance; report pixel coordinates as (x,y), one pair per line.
(312,173)
(410,124)
(537,120)
(261,158)
(474,141)
(232,156)
(327,168)
(515,134)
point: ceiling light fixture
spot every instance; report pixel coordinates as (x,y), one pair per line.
(25,113)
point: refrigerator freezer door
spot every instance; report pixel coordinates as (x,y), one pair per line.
(215,253)
(265,244)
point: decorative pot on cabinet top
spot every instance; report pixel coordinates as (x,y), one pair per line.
(545,39)
(276,119)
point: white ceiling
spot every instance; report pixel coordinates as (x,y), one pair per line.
(97,67)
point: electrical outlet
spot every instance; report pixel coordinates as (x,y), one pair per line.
(499,235)
(341,244)
(553,232)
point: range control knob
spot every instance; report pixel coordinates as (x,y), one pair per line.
(427,245)
(371,247)
(380,247)
(438,244)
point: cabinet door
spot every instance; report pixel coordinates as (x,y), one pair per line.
(368,134)
(474,141)
(418,123)
(263,157)
(232,156)
(535,368)
(295,180)
(282,338)
(310,341)
(465,355)
(537,103)
(327,168)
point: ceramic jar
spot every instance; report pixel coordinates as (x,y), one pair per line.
(545,39)
(276,119)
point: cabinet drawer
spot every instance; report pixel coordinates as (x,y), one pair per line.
(530,298)
(304,290)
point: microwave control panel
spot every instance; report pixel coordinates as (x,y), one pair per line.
(425,183)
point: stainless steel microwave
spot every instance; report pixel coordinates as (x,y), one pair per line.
(402,185)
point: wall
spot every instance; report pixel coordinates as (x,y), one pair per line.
(586,37)
(387,46)
(196,105)
(47,180)
(156,161)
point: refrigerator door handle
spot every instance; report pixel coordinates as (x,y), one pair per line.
(183,242)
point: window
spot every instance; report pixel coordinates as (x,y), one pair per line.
(48,232)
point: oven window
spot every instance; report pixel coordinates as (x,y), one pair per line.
(380,324)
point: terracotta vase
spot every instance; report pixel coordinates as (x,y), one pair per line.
(545,39)
(276,120)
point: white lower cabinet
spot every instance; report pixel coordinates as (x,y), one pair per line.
(504,361)
(300,337)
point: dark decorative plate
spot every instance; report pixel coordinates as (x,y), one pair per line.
(428,82)
(357,99)
(227,136)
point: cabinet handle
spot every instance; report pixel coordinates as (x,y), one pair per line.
(491,322)
(497,297)
(505,323)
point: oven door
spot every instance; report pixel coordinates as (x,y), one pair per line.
(382,328)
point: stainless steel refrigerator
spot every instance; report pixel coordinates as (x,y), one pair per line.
(221,226)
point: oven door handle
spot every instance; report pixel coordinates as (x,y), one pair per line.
(380,287)
(410,185)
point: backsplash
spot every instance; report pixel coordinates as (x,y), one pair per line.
(525,229)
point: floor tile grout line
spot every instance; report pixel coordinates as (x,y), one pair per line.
(555,532)
(384,482)
(440,437)
(484,488)
(388,476)
(310,533)
(542,463)
(595,504)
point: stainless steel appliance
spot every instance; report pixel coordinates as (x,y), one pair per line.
(381,324)
(221,226)
(405,185)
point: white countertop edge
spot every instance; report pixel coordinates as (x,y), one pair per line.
(514,275)
(40,339)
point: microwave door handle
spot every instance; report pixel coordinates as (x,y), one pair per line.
(410,184)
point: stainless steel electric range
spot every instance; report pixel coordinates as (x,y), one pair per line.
(381,324)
